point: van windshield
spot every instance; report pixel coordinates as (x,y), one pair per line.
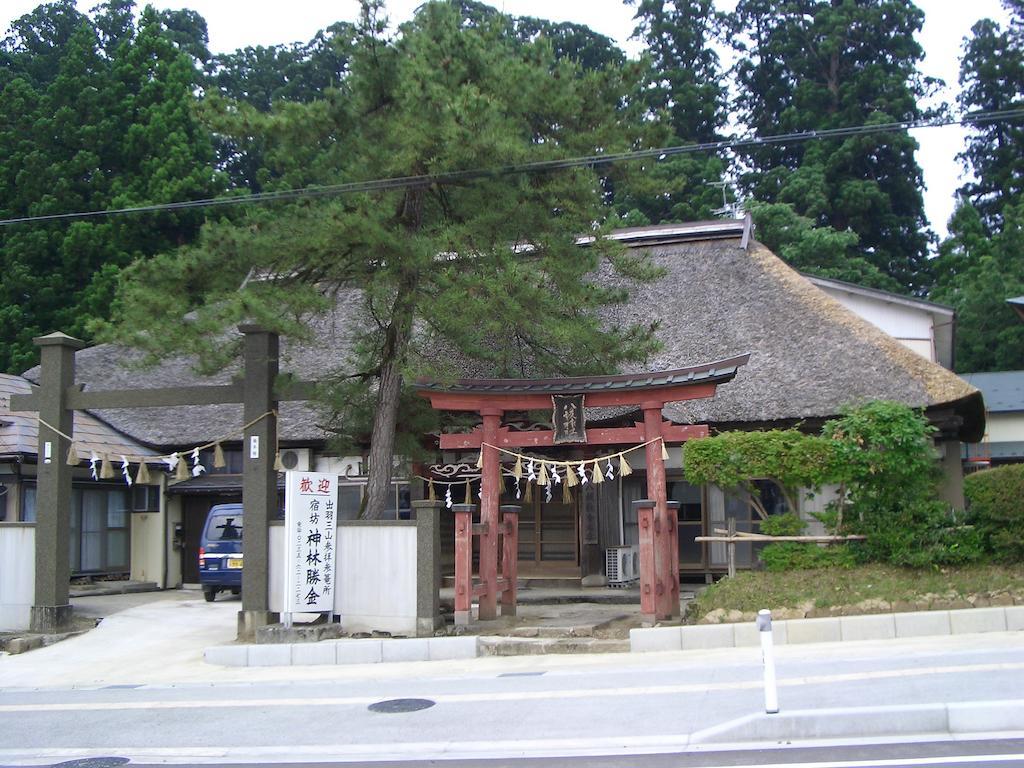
(225,527)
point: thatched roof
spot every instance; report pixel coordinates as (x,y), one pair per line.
(721,296)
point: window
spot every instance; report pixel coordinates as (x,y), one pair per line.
(145,498)
(226,526)
(28,503)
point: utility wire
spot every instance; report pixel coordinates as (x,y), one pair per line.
(544,166)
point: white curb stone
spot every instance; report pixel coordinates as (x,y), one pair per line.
(1014,618)
(405,650)
(227,655)
(875,627)
(655,639)
(973,620)
(359,651)
(986,716)
(813,631)
(445,648)
(308,654)
(270,655)
(702,636)
(922,624)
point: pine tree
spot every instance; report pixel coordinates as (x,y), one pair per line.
(488,269)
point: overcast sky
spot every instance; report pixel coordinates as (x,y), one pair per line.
(237,23)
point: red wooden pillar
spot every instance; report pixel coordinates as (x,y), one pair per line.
(673,534)
(463,562)
(645,520)
(664,579)
(490,492)
(509,558)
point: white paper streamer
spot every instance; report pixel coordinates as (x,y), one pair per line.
(554,475)
(610,473)
(582,472)
(126,470)
(94,461)
(448,497)
(531,472)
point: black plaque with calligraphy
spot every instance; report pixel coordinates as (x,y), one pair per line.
(567,416)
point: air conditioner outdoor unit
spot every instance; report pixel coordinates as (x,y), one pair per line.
(297,459)
(622,566)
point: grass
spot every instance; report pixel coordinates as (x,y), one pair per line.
(833,588)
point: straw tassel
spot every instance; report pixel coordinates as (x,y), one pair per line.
(570,478)
(597,476)
(517,471)
(73,459)
(278,464)
(106,469)
(480,460)
(664,450)
(624,468)
(469,494)
(542,478)
(528,496)
(142,478)
(181,469)
(218,457)
(566,493)
(431,496)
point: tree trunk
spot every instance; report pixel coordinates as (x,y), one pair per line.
(382,440)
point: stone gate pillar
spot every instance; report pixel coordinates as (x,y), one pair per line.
(51,609)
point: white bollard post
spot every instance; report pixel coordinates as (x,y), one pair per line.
(771,693)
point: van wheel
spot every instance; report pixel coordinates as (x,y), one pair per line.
(236,590)
(210,595)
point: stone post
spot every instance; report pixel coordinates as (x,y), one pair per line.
(51,610)
(428,567)
(259,479)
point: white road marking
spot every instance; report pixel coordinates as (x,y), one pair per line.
(492,696)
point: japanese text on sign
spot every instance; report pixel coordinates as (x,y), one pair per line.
(311,503)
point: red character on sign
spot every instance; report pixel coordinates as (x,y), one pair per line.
(305,485)
(324,486)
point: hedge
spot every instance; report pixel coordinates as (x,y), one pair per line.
(995,501)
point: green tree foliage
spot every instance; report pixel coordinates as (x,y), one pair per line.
(821,64)
(994,501)
(488,269)
(95,113)
(992,80)
(734,460)
(976,272)
(890,477)
(980,264)
(683,97)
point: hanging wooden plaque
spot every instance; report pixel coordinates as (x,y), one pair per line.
(568,419)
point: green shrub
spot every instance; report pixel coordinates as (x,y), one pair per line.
(798,555)
(995,499)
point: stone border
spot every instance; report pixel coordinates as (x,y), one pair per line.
(361,651)
(881,626)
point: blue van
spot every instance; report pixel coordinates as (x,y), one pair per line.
(220,551)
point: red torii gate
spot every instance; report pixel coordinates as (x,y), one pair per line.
(491,398)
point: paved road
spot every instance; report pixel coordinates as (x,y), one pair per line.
(481,709)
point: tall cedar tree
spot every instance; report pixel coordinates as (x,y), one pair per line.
(818,64)
(682,91)
(489,268)
(94,114)
(981,263)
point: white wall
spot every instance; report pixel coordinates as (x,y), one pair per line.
(375,576)
(1004,427)
(17,575)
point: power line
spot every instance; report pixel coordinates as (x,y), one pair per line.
(544,166)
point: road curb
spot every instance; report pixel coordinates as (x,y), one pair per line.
(954,719)
(882,626)
(333,652)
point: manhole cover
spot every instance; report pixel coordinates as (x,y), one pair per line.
(92,762)
(392,706)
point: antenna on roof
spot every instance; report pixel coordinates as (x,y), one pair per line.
(728,210)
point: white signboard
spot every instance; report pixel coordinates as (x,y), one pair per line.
(310,518)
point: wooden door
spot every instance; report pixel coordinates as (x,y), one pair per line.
(549,538)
